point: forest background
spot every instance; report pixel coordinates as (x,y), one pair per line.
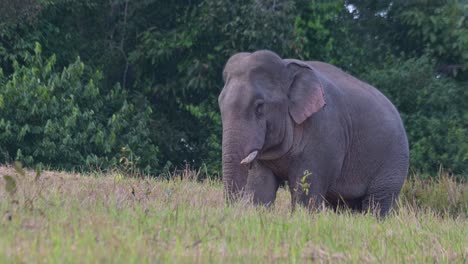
(100,84)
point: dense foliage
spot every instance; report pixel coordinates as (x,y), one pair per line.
(64,118)
(138,80)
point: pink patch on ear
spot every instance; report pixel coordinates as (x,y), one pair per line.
(306,93)
(305,109)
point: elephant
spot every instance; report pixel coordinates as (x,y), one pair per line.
(336,141)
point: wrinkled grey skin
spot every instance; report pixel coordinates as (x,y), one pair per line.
(309,118)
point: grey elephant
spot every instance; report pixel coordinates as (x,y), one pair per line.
(335,139)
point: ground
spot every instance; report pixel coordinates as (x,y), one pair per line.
(76,218)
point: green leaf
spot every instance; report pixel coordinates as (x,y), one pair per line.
(37,48)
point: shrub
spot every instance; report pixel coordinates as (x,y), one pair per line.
(64,119)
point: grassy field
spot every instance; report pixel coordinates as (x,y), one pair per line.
(72,218)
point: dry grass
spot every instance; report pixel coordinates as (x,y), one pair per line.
(443,195)
(72,218)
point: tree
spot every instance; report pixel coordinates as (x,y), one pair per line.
(64,119)
(165,58)
(178,66)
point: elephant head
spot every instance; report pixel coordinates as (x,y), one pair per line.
(263,98)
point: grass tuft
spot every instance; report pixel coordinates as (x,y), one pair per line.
(443,195)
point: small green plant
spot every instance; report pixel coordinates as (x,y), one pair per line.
(304,184)
(19,168)
(10,186)
(11,181)
(128,162)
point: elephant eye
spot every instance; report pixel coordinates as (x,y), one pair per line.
(259,109)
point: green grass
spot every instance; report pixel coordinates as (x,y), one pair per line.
(71,218)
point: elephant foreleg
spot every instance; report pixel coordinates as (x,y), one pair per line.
(262,184)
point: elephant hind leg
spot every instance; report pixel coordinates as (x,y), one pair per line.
(382,194)
(379,204)
(340,204)
(354,204)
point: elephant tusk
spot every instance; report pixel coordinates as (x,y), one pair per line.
(249,158)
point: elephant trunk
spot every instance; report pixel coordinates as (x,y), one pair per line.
(234,173)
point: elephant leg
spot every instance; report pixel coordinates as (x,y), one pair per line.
(262,184)
(382,194)
(379,203)
(383,191)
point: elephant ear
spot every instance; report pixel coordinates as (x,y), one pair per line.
(305,91)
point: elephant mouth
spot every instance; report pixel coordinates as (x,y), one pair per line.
(251,157)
